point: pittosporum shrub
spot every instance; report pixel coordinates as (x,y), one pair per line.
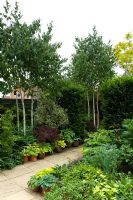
(49,113)
(46,134)
(117,101)
(72,99)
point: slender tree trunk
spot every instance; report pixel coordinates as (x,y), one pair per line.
(24,118)
(32,112)
(97,104)
(88,105)
(17,112)
(94,117)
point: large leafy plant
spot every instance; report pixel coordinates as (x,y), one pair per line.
(68,135)
(47,181)
(49,113)
(60,144)
(127,132)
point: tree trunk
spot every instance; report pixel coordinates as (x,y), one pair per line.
(24,118)
(94,118)
(17,111)
(97,109)
(88,105)
(32,112)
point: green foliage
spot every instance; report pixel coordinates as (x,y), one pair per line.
(6,133)
(117,101)
(49,113)
(33,182)
(86,182)
(67,135)
(124,53)
(31,150)
(44,172)
(127,132)
(126,152)
(47,181)
(60,143)
(93,60)
(46,148)
(72,99)
(105,157)
(100,137)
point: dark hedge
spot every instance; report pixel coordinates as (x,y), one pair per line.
(117,101)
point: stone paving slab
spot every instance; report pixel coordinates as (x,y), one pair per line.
(13,183)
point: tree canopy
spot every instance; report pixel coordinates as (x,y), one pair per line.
(93,60)
(124,53)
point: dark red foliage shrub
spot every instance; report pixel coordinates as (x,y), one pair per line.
(46,134)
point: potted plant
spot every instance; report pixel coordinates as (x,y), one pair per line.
(33,151)
(41,154)
(46,182)
(67,135)
(76,142)
(25,156)
(33,184)
(48,148)
(59,145)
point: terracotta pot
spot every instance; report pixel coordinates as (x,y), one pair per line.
(44,190)
(76,143)
(25,159)
(41,156)
(58,149)
(36,189)
(33,158)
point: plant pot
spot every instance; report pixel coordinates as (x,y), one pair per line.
(33,158)
(36,189)
(41,156)
(68,144)
(44,190)
(58,149)
(25,159)
(76,143)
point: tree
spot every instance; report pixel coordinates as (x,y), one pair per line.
(92,64)
(28,59)
(124,53)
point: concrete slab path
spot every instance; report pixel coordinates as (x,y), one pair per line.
(13,183)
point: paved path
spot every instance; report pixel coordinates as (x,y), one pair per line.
(13,183)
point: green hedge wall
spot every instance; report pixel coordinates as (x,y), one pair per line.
(72,99)
(117,101)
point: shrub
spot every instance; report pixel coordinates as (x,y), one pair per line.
(6,133)
(68,135)
(106,157)
(127,132)
(72,99)
(46,134)
(100,137)
(117,101)
(49,113)
(86,182)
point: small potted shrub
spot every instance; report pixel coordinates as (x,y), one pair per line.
(67,135)
(33,151)
(25,156)
(33,184)
(59,145)
(48,148)
(46,182)
(41,154)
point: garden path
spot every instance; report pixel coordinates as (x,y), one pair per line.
(13,183)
